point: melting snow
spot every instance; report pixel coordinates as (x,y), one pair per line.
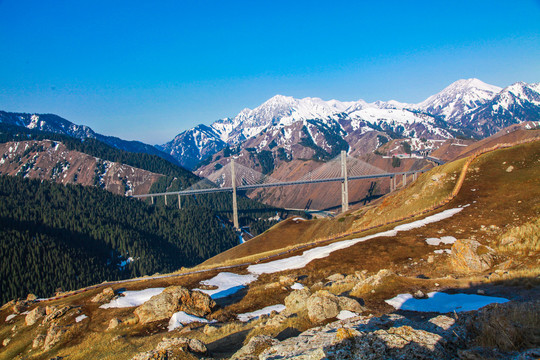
(444,240)
(443,303)
(299,261)
(297,286)
(227,284)
(298,219)
(441,251)
(9,317)
(133,298)
(80,318)
(181,318)
(264,311)
(345,314)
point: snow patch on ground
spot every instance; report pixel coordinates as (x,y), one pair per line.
(181,318)
(299,261)
(80,318)
(9,317)
(298,219)
(442,251)
(443,303)
(346,314)
(443,239)
(264,311)
(132,298)
(297,286)
(227,284)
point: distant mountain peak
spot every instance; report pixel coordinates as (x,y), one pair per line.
(459,97)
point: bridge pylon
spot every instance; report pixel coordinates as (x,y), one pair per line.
(345,183)
(235,204)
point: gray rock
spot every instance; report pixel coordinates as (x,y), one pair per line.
(322,305)
(174,299)
(471,256)
(105,296)
(297,300)
(33,316)
(254,347)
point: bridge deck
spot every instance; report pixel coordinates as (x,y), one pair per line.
(285,183)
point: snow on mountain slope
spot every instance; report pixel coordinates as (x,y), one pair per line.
(515,104)
(193,145)
(56,124)
(459,97)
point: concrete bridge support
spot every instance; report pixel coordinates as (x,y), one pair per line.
(152,199)
(165,200)
(235,204)
(179,202)
(404,180)
(345,183)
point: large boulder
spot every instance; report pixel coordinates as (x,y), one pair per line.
(172,300)
(33,316)
(105,296)
(471,256)
(297,300)
(322,305)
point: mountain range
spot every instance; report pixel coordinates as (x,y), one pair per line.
(296,128)
(284,128)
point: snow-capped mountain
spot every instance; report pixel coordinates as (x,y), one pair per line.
(458,98)
(468,106)
(193,145)
(515,104)
(56,124)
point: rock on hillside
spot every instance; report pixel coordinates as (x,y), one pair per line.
(174,299)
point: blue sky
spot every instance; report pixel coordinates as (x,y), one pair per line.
(148,70)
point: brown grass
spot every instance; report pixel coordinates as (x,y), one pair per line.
(508,327)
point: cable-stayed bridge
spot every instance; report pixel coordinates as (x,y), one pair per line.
(235,177)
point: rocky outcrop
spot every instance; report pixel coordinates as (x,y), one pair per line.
(366,337)
(55,335)
(324,305)
(35,315)
(104,297)
(174,299)
(471,256)
(254,347)
(296,300)
(182,343)
(370,283)
(54,312)
(168,347)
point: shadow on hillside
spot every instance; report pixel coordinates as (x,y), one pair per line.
(497,330)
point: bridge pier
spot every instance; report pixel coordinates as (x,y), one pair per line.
(345,183)
(404,180)
(152,199)
(414,176)
(179,202)
(235,204)
(165,200)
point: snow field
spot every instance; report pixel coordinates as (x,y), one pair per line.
(181,318)
(132,298)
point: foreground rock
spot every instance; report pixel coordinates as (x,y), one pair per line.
(324,305)
(174,299)
(168,347)
(471,256)
(254,347)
